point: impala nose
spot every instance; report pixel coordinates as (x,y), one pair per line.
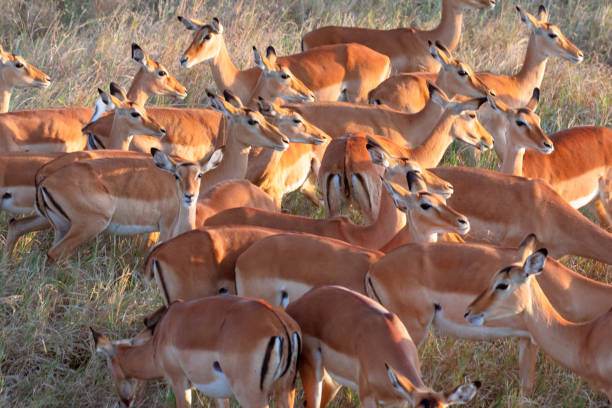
(188,198)
(183,60)
(163,132)
(462,221)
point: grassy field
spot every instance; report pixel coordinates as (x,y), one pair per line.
(46,353)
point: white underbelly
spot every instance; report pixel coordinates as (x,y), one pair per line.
(130,229)
(220,388)
(581,202)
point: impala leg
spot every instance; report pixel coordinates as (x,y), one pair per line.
(603,204)
(309,189)
(22,226)
(310,370)
(284,398)
(222,403)
(182,392)
(368,401)
(528,356)
(80,232)
(329,389)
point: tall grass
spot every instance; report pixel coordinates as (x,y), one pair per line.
(46,355)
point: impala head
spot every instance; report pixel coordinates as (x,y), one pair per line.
(431,399)
(456,77)
(428,213)
(292,124)
(206,43)
(397,169)
(465,126)
(125,385)
(187,174)
(15,72)
(128,113)
(549,37)
(156,77)
(524,131)
(509,292)
(255,129)
(277,80)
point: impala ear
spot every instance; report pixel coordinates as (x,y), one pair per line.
(542,14)
(535,98)
(527,247)
(399,382)
(216,26)
(534,264)
(439,52)
(259,61)
(271,55)
(3,56)
(232,98)
(437,95)
(103,343)
(378,154)
(118,92)
(190,23)
(496,104)
(528,19)
(219,105)
(415,182)
(139,56)
(397,193)
(110,102)
(265,107)
(162,160)
(213,160)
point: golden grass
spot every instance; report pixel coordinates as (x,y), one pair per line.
(46,355)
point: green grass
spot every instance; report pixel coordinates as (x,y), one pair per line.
(46,354)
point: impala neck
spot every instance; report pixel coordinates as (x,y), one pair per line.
(561,339)
(186,219)
(532,73)
(138,361)
(235,160)
(425,119)
(416,235)
(430,153)
(120,136)
(5,99)
(138,90)
(513,160)
(223,70)
(448,32)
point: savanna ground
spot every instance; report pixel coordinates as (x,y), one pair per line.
(46,353)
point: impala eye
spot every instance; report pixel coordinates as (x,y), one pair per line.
(135,114)
(462,73)
(162,73)
(425,206)
(472,115)
(18,65)
(501,286)
(199,175)
(176,177)
(552,35)
(285,76)
(253,122)
(207,37)
(297,121)
(520,123)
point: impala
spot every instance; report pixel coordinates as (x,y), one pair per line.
(546,40)
(350,166)
(87,197)
(308,260)
(278,173)
(451,275)
(223,346)
(514,292)
(405,46)
(60,129)
(15,72)
(382,365)
(336,72)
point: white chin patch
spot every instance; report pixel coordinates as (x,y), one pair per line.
(476,320)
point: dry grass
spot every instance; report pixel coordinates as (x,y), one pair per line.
(46,356)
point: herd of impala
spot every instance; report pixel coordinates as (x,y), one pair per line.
(360,117)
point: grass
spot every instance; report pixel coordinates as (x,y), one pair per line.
(46,354)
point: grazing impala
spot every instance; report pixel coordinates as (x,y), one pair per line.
(87,197)
(381,362)
(452,275)
(15,72)
(335,72)
(224,346)
(60,129)
(408,92)
(407,47)
(514,292)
